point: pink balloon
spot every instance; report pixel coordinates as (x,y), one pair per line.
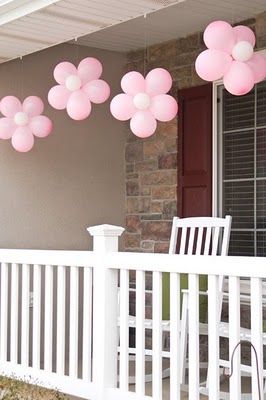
(63,70)
(22,139)
(132,83)
(158,81)
(7,128)
(163,107)
(143,124)
(41,126)
(97,90)
(33,106)
(10,105)
(89,69)
(78,105)
(122,107)
(257,63)
(239,80)
(58,97)
(212,64)
(243,33)
(219,35)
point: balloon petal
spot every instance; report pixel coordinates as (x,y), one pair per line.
(63,70)
(41,126)
(58,97)
(132,83)
(89,69)
(244,33)
(33,106)
(98,91)
(212,64)
(78,106)
(257,63)
(158,81)
(122,107)
(10,105)
(239,80)
(219,35)
(7,128)
(163,107)
(143,124)
(22,139)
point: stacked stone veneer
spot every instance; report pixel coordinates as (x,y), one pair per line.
(151,164)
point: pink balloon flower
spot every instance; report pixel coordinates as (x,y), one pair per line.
(230,55)
(78,87)
(21,122)
(144,100)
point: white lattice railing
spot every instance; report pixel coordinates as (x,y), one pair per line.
(69,338)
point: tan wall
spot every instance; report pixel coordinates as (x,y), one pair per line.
(70,180)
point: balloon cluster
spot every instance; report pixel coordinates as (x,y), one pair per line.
(21,122)
(78,87)
(144,100)
(230,56)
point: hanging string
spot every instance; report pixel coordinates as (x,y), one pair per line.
(246,342)
(76,52)
(21,78)
(145,45)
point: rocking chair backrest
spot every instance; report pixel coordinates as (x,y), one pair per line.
(201,236)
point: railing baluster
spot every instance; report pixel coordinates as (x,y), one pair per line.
(36,334)
(140,333)
(14,314)
(213,339)
(73,322)
(61,323)
(174,336)
(234,336)
(25,314)
(48,318)
(256,333)
(4,313)
(124,329)
(87,324)
(193,302)
(157,335)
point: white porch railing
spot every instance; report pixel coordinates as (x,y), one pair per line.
(68,340)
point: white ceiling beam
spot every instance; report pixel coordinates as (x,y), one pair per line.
(20,10)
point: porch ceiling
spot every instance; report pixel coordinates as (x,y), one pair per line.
(176,21)
(27,26)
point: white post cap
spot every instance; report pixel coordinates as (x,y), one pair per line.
(106,230)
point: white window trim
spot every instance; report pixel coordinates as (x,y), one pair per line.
(215,157)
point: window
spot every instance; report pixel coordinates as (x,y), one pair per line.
(242,168)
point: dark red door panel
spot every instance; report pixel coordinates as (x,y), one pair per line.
(195,151)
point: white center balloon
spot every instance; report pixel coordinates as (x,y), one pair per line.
(142,101)
(242,51)
(21,118)
(73,82)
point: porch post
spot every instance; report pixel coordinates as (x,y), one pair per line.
(105,302)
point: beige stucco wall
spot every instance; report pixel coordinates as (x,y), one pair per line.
(70,180)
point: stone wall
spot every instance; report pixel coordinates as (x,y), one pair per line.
(151,164)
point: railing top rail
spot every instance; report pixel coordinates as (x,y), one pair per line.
(202,265)
(195,264)
(47,257)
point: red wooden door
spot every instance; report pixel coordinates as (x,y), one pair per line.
(195,151)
